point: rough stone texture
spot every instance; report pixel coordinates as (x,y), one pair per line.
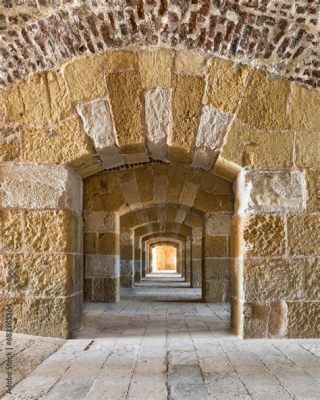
(312,276)
(39,187)
(278,319)
(190,62)
(264,235)
(10,144)
(216,246)
(304,108)
(263,192)
(307,155)
(41,145)
(273,280)
(226,84)
(246,146)
(303,234)
(185,112)
(156,68)
(270,112)
(125,91)
(218,224)
(100,221)
(89,72)
(107,266)
(303,320)
(158,121)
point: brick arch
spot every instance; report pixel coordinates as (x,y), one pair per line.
(278,36)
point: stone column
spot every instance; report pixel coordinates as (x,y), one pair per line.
(216,271)
(188,258)
(196,271)
(275,268)
(41,248)
(102,261)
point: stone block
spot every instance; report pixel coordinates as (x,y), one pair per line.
(90,243)
(304,107)
(155,67)
(100,221)
(50,231)
(313,185)
(97,123)
(37,275)
(226,83)
(267,280)
(160,184)
(64,143)
(85,77)
(144,179)
(248,146)
(307,146)
(210,136)
(270,192)
(125,92)
(158,121)
(10,144)
(40,187)
(185,111)
(216,291)
(59,98)
(216,246)
(106,290)
(11,234)
(105,266)
(122,60)
(264,235)
(255,320)
(190,62)
(304,234)
(189,194)
(303,319)
(108,243)
(217,269)
(312,278)
(87,289)
(210,202)
(264,105)
(277,327)
(218,224)
(126,252)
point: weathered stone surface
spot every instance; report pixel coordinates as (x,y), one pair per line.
(256,318)
(210,135)
(63,235)
(158,121)
(59,99)
(216,246)
(190,62)
(211,202)
(37,275)
(100,221)
(264,192)
(273,280)
(122,60)
(105,290)
(226,84)
(312,278)
(185,111)
(97,122)
(39,187)
(10,144)
(307,145)
(264,105)
(85,77)
(216,291)
(218,224)
(125,91)
(248,146)
(303,320)
(278,319)
(63,143)
(106,266)
(313,185)
(264,235)
(217,268)
(304,107)
(304,234)
(108,243)
(155,67)
(188,194)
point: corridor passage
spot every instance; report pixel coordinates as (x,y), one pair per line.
(163,343)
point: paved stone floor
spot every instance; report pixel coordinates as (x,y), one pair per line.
(163,343)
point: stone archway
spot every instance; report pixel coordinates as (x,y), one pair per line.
(264,129)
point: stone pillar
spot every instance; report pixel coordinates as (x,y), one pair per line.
(275,267)
(102,261)
(137,261)
(188,258)
(216,271)
(41,248)
(196,271)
